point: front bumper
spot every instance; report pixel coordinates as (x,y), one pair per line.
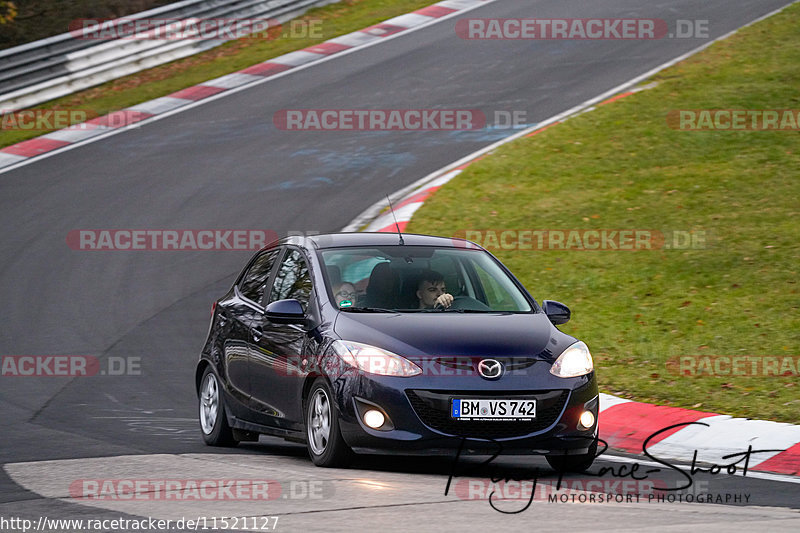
(419,410)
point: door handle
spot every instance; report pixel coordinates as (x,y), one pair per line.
(257,333)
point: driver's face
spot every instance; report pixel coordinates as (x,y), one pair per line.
(428,293)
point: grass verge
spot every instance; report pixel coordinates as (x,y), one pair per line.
(333,20)
(622,167)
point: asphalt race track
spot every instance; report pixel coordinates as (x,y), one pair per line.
(224,165)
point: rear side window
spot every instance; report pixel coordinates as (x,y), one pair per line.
(253,283)
(292,279)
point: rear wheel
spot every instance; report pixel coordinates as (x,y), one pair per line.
(324,438)
(573,463)
(213,422)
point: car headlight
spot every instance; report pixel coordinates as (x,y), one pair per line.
(374,360)
(574,361)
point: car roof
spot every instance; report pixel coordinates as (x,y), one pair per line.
(340,240)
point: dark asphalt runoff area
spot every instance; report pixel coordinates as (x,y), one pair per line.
(224,165)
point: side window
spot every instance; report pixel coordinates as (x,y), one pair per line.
(292,280)
(253,283)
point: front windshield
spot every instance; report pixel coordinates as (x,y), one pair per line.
(414,278)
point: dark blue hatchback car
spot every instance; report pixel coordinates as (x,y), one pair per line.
(380,343)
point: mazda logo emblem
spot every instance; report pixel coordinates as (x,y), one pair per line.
(490,369)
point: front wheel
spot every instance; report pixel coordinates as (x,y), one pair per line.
(324,438)
(213,422)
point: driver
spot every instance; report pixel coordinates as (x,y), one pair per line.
(431,291)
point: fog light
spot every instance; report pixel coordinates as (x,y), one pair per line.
(587,419)
(374,418)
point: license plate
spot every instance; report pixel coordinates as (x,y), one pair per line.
(484,409)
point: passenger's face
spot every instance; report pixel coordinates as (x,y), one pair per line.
(428,293)
(345,291)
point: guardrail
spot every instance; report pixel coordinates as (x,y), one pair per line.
(49,68)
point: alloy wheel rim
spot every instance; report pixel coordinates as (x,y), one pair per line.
(209,404)
(319,422)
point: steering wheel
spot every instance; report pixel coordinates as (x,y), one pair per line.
(469,303)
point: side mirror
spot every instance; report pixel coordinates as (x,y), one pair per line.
(285,312)
(557,312)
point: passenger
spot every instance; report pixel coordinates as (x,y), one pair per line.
(432,292)
(345,294)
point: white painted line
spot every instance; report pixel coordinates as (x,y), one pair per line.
(438,182)
(375,209)
(403,214)
(257,81)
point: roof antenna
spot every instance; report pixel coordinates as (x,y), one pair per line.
(396,225)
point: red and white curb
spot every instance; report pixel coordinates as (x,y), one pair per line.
(626,425)
(79,133)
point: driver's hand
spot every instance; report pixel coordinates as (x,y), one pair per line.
(445,301)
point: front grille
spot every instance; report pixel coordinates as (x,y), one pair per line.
(469,365)
(433,408)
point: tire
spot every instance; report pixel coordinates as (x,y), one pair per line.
(213,420)
(573,463)
(324,441)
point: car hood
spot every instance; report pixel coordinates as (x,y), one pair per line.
(415,335)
